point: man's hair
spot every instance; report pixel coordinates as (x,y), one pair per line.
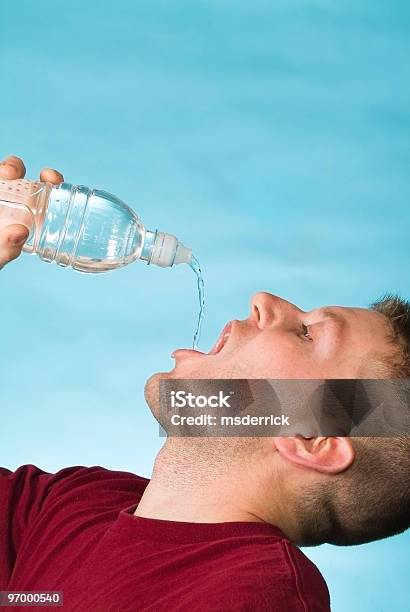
(369,501)
(397,311)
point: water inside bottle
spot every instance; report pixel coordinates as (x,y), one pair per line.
(201,294)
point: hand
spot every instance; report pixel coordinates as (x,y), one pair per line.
(13,237)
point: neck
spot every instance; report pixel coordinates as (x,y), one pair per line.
(188,486)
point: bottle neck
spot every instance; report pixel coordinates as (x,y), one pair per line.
(148,245)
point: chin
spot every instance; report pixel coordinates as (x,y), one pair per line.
(188,368)
(151,391)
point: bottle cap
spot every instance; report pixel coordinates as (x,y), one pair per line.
(183,254)
(167,251)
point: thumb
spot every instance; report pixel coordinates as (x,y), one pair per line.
(13,235)
(12,239)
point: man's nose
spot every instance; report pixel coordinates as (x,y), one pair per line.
(268,310)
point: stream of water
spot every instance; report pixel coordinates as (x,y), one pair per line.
(201,294)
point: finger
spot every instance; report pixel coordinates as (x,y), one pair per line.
(48,175)
(12,239)
(12,168)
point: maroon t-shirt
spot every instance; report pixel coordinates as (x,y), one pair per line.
(75,532)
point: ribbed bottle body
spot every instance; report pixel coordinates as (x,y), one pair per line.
(89,229)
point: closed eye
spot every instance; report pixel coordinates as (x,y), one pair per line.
(305,333)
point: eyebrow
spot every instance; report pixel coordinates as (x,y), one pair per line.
(330,314)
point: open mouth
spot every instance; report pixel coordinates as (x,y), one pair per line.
(222,340)
(218,346)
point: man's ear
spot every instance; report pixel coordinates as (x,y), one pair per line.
(327,455)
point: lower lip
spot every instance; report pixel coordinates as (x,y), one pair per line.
(181,353)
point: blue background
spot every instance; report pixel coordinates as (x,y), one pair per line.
(271,136)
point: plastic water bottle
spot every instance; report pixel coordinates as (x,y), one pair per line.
(87,229)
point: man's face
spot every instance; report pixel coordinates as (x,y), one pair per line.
(279,340)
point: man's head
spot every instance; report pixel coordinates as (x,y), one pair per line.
(279,340)
(338,490)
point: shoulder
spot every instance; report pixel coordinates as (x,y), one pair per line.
(33,482)
(276,575)
(304,584)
